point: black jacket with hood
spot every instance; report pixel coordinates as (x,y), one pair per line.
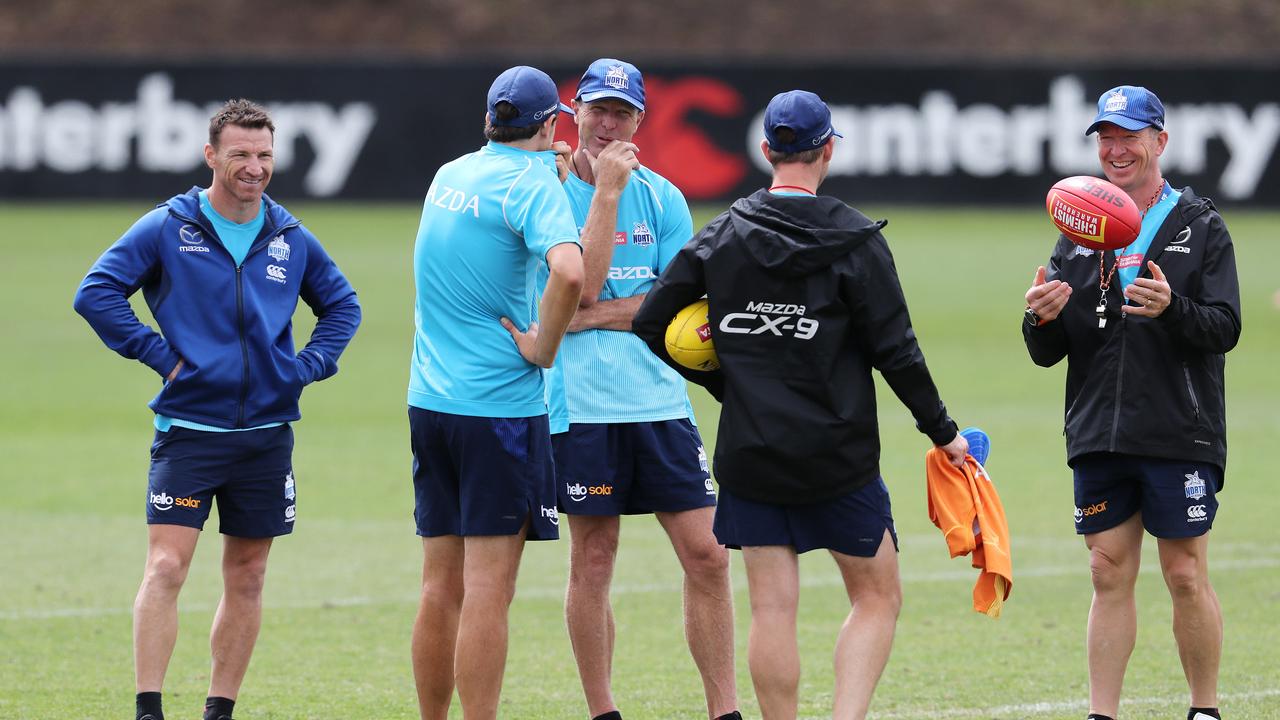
(804,301)
(1148,386)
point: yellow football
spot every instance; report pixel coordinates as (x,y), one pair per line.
(688,338)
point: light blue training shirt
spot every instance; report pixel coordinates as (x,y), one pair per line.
(611,376)
(1129,258)
(488,221)
(237,239)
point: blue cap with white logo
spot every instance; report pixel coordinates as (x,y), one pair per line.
(805,114)
(531,91)
(609,78)
(1129,106)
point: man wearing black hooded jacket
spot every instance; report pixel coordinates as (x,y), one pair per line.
(1145,330)
(804,303)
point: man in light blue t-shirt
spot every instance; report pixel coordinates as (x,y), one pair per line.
(621,421)
(482,465)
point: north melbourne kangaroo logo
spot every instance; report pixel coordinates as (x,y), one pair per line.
(640,234)
(1194,486)
(1116,102)
(616,77)
(278,249)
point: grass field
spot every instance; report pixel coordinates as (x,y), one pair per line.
(341,592)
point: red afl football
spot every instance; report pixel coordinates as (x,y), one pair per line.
(1093,213)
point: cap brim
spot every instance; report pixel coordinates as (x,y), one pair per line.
(618,94)
(1127,123)
(566,109)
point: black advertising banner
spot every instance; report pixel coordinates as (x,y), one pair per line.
(935,134)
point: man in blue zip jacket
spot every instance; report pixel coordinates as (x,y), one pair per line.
(221,270)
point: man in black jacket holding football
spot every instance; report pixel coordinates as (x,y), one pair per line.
(1145,330)
(804,303)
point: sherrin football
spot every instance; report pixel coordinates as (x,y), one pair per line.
(1093,213)
(688,338)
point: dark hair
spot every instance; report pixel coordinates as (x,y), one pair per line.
(241,113)
(786,136)
(504,134)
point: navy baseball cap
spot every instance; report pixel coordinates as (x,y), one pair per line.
(609,78)
(807,116)
(531,91)
(1129,106)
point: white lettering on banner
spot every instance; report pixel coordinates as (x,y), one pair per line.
(337,136)
(68,137)
(1251,142)
(71,136)
(938,138)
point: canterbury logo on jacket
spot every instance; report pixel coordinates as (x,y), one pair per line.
(230,325)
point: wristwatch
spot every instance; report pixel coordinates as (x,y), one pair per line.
(1031,318)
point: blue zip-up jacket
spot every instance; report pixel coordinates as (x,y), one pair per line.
(232,326)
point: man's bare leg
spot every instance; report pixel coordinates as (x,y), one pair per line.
(155,610)
(773,580)
(435,630)
(1114,558)
(862,649)
(708,604)
(593,548)
(490,565)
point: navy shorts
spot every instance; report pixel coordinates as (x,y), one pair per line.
(250,473)
(852,524)
(482,476)
(1178,498)
(632,468)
